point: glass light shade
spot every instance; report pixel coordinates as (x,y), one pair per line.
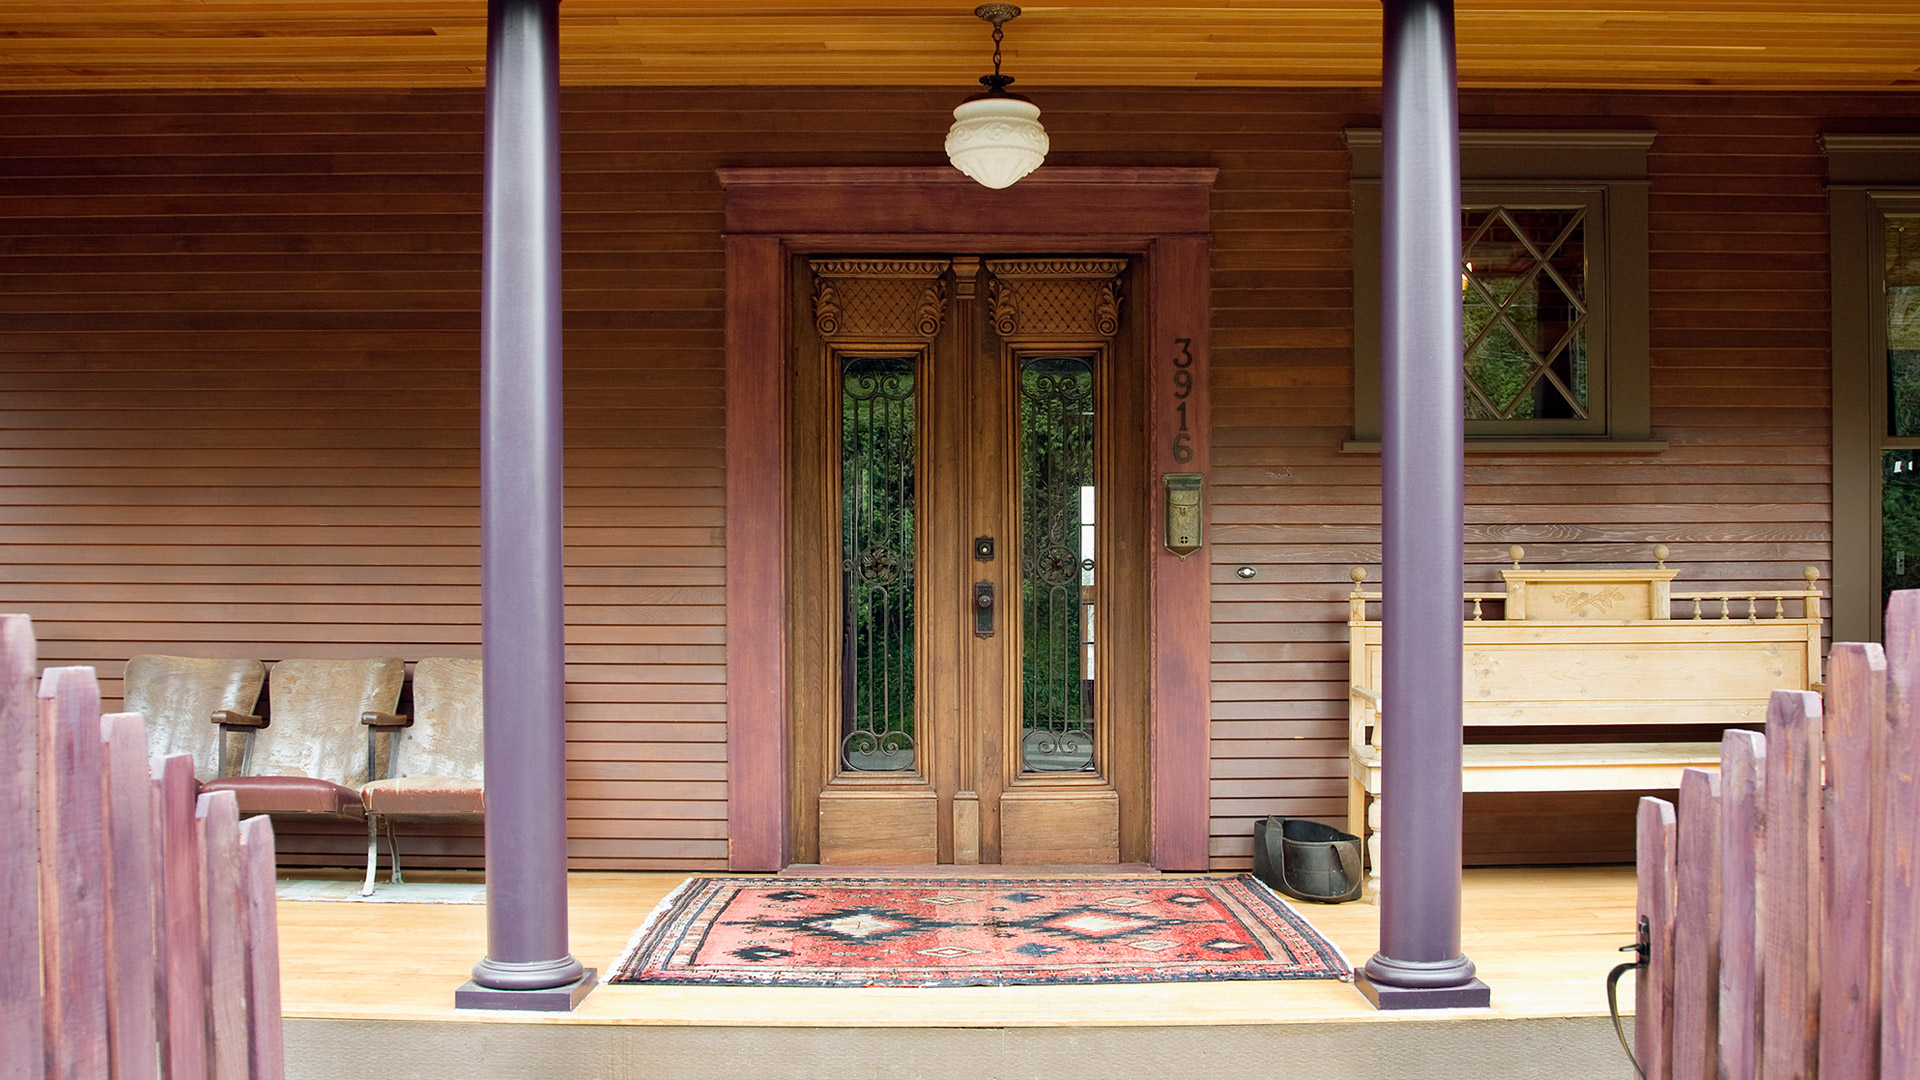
(996,140)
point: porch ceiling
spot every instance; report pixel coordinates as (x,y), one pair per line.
(1666,44)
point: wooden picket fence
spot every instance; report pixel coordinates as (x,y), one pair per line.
(137,930)
(1783,905)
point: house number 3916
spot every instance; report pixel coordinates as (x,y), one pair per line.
(1182,389)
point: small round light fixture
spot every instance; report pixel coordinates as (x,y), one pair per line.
(996,137)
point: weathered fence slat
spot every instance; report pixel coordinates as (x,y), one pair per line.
(182,947)
(138,935)
(1790,885)
(21,1007)
(1900,862)
(130,886)
(263,948)
(1696,945)
(1818,967)
(218,820)
(1653,989)
(1743,760)
(73,903)
(1850,946)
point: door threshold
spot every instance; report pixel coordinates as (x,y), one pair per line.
(986,871)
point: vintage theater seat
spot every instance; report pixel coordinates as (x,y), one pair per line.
(307,758)
(184,697)
(434,766)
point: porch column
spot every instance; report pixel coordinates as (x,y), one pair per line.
(522,622)
(1419,964)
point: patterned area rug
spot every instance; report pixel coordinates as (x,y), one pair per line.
(759,931)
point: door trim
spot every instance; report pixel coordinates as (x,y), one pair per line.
(1158,214)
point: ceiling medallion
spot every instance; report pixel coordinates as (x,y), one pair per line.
(996,137)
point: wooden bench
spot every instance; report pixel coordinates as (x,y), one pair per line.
(1593,648)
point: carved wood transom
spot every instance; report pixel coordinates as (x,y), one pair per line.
(1054,297)
(879,298)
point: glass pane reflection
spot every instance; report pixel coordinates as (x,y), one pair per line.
(878,448)
(1057,572)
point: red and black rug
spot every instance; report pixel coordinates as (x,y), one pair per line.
(760,931)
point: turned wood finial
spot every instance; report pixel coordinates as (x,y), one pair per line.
(1358,574)
(1516,553)
(1812,574)
(1660,554)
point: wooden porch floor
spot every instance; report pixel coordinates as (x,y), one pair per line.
(1543,939)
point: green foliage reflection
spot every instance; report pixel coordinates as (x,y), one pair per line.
(1524,313)
(1899,522)
(1903,324)
(1056,469)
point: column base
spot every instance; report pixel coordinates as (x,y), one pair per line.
(1472,994)
(563,998)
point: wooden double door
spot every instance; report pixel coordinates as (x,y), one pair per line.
(967,639)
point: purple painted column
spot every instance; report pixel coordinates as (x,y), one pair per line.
(522,620)
(1419,964)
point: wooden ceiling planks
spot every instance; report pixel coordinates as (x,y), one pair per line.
(196,44)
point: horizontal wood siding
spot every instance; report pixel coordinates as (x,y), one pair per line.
(1739,391)
(240,396)
(238,393)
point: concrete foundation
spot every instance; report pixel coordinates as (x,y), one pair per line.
(1441,1048)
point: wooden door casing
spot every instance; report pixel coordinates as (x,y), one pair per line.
(1161,215)
(967,764)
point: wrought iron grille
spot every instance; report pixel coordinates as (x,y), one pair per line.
(1524,278)
(879,444)
(1057,563)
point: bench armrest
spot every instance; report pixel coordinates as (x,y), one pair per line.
(243,724)
(1369,700)
(376,724)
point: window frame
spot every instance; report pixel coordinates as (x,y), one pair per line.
(1605,170)
(1869,178)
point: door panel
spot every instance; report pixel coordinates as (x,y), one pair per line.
(967,660)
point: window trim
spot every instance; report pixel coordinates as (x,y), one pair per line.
(1868,176)
(1518,168)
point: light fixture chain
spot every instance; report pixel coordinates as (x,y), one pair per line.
(998,32)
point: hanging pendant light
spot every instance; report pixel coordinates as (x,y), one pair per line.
(996,137)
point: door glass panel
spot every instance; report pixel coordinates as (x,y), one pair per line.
(1899,523)
(1057,572)
(878,447)
(1903,324)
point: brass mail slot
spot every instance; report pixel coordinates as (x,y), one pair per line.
(1183,512)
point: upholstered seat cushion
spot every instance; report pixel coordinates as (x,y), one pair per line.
(289,795)
(424,795)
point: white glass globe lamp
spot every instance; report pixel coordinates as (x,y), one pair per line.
(996,137)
